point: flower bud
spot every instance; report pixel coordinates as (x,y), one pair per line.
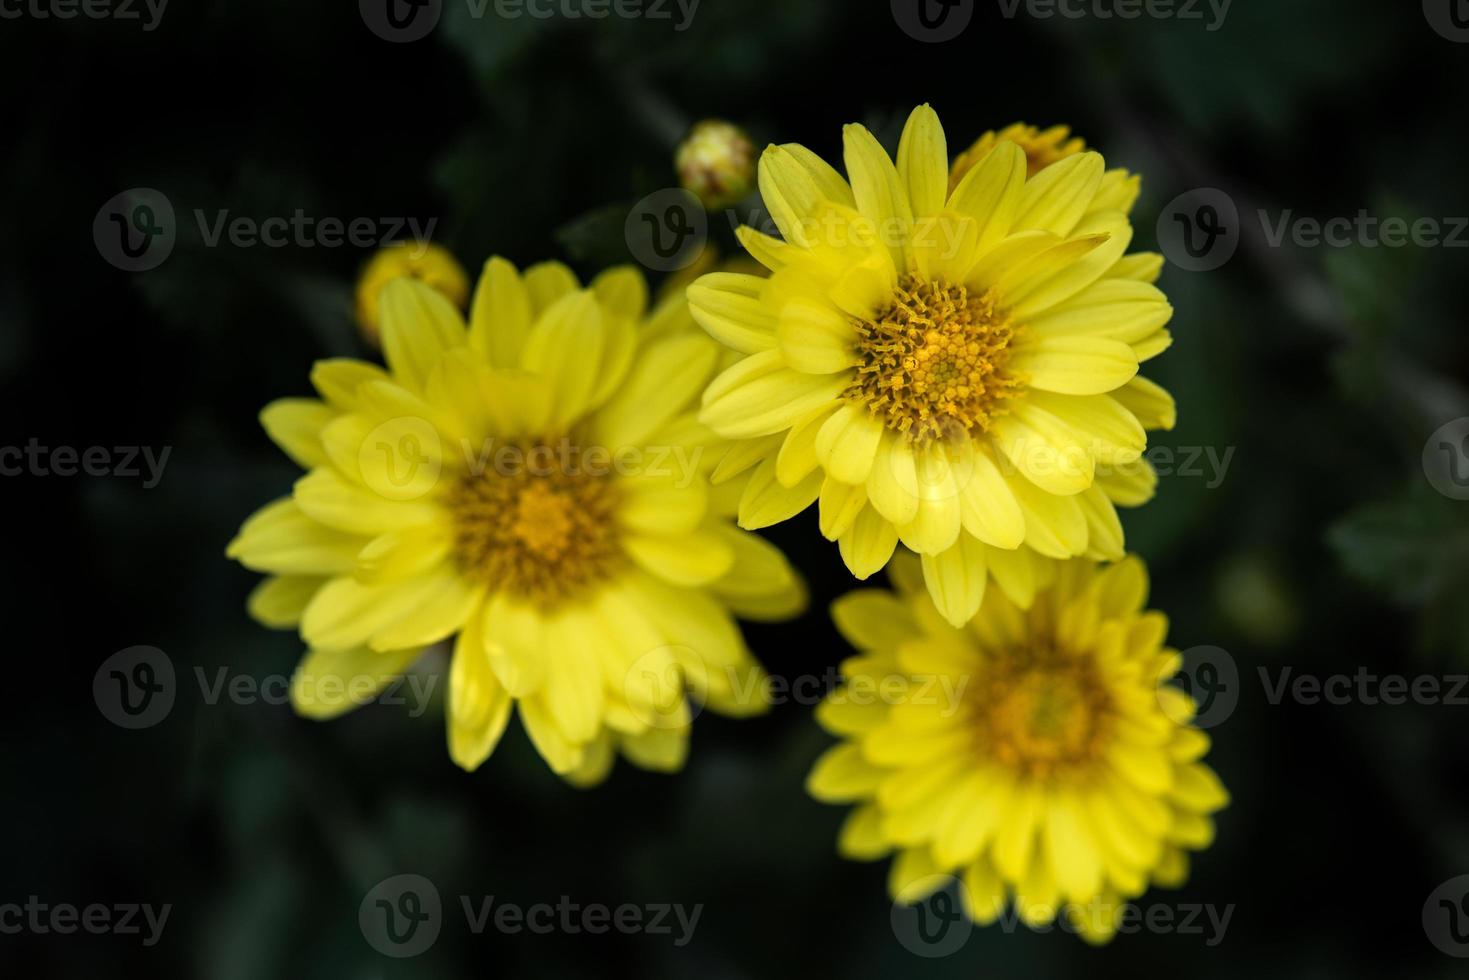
(716,163)
(431,264)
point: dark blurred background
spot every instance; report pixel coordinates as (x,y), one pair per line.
(1323,546)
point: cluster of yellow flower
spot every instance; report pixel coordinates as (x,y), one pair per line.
(564,483)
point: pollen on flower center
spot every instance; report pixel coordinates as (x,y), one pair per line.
(1043,713)
(542,529)
(933,363)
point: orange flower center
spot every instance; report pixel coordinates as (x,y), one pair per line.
(536,527)
(1043,714)
(933,363)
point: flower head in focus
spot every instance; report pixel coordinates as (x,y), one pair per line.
(429,263)
(956,370)
(532,485)
(1041,756)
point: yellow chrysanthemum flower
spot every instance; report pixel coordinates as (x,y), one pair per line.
(1042,147)
(429,263)
(533,483)
(957,371)
(1039,755)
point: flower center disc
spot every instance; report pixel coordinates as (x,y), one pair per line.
(1041,715)
(933,363)
(539,527)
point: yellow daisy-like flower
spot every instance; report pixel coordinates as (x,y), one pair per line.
(1042,147)
(955,370)
(1040,755)
(533,484)
(429,263)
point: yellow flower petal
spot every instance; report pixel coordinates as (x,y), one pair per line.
(760,395)
(956,579)
(868,543)
(295,425)
(847,443)
(1075,365)
(476,706)
(418,325)
(923,161)
(878,192)
(500,314)
(329,683)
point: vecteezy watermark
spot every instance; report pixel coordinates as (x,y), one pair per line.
(401,21)
(1364,229)
(1200,230)
(301,230)
(666,230)
(1446,459)
(402,917)
(1364,687)
(1213,12)
(146,12)
(932,21)
(34,459)
(1207,463)
(137,688)
(64,919)
(656,684)
(1450,18)
(937,925)
(1446,917)
(1210,678)
(136,230)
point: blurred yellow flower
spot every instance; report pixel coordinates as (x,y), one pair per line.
(1040,756)
(534,485)
(429,263)
(955,370)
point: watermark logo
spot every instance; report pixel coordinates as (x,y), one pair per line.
(149,13)
(135,688)
(1210,677)
(932,21)
(401,459)
(1446,917)
(1449,18)
(127,462)
(401,21)
(666,230)
(1214,11)
(42,918)
(135,230)
(1446,459)
(656,685)
(401,916)
(1365,687)
(934,926)
(939,924)
(1199,230)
